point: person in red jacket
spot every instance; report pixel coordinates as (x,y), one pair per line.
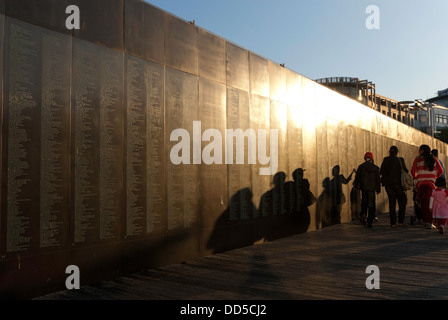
(425,170)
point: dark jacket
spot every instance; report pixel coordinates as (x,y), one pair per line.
(368,177)
(391,171)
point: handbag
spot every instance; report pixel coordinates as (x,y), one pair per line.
(407,181)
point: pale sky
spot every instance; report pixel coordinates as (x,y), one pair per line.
(407,58)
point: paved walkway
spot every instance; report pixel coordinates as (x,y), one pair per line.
(326,264)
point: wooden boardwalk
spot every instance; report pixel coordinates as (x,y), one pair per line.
(326,264)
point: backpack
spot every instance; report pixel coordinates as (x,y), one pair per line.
(407,181)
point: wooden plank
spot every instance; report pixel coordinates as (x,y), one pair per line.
(327,264)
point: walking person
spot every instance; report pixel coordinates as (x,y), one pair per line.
(425,170)
(417,218)
(355,206)
(391,179)
(367,179)
(438,204)
(435,153)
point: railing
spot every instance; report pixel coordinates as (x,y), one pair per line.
(337,80)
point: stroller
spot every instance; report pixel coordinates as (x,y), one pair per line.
(416,218)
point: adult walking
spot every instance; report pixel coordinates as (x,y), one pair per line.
(425,170)
(435,153)
(367,179)
(391,179)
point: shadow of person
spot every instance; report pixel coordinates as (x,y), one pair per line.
(298,198)
(355,205)
(279,200)
(275,222)
(337,196)
(274,201)
(234,227)
(283,211)
(323,206)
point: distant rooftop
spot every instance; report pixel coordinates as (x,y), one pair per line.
(443,93)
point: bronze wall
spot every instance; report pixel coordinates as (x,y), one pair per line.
(86,118)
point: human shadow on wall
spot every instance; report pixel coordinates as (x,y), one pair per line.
(234,228)
(332,198)
(323,206)
(286,204)
(274,202)
(355,206)
(283,211)
(300,198)
(284,207)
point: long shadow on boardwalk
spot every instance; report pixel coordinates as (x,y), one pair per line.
(324,264)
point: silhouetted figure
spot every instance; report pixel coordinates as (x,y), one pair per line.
(417,217)
(299,198)
(323,207)
(305,198)
(435,153)
(274,201)
(367,179)
(438,204)
(337,196)
(241,206)
(425,170)
(279,194)
(355,205)
(391,179)
(302,196)
(234,229)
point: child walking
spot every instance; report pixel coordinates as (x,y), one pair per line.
(438,204)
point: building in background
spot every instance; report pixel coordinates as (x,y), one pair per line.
(441,99)
(431,116)
(364,91)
